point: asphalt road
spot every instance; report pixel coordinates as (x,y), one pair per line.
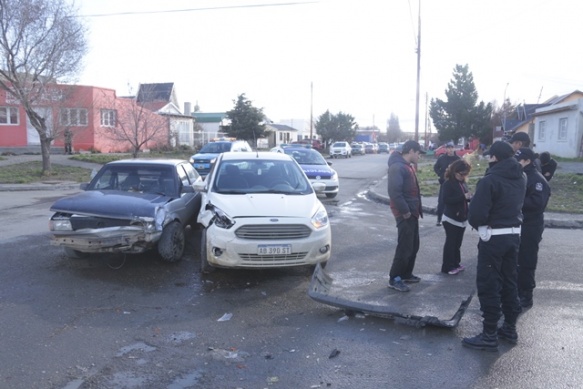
(81,324)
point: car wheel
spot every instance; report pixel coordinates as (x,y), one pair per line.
(171,244)
(71,253)
(205,266)
(331,195)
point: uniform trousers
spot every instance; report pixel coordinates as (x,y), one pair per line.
(496,279)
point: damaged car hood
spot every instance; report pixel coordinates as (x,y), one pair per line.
(111,203)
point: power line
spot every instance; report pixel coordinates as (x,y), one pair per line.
(130,13)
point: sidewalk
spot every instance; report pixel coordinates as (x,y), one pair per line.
(552,219)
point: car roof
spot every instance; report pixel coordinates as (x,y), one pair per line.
(257,155)
(150,162)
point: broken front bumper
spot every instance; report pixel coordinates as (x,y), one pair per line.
(128,239)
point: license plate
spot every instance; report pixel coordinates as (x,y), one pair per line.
(274,249)
(202,166)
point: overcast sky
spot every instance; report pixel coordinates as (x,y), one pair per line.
(360,55)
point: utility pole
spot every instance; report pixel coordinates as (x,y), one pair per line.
(418,74)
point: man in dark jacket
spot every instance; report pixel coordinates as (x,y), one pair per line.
(537,196)
(495,211)
(439,168)
(405,203)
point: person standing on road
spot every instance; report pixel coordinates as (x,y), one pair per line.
(548,165)
(439,168)
(405,203)
(68,141)
(496,212)
(537,196)
(456,197)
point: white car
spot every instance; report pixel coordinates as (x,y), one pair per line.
(259,210)
(340,149)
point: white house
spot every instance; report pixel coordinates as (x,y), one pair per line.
(558,129)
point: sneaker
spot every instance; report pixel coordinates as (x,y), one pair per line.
(457,270)
(412,280)
(398,284)
(438,224)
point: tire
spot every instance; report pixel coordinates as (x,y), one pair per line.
(205,266)
(331,195)
(172,242)
(71,253)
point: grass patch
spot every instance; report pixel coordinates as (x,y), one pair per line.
(29,172)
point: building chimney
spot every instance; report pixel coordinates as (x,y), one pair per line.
(187,109)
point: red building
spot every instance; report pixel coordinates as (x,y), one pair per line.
(95,117)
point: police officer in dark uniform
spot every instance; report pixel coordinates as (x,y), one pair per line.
(495,211)
(537,196)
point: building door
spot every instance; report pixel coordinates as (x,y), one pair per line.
(32,136)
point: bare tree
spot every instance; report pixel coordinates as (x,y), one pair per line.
(41,41)
(133,125)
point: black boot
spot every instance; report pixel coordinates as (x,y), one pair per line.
(487,340)
(508,333)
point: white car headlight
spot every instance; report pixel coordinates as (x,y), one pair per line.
(221,219)
(320,218)
(334,176)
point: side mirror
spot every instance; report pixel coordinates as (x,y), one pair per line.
(84,186)
(199,186)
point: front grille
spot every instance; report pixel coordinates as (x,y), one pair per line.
(81,222)
(273,231)
(323,176)
(275,260)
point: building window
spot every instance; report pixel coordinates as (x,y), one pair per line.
(9,115)
(563,129)
(542,127)
(73,117)
(108,117)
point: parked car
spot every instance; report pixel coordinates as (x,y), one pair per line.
(317,169)
(313,143)
(358,149)
(340,149)
(384,148)
(206,157)
(130,206)
(370,148)
(260,211)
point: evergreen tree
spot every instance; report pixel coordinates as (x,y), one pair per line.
(336,127)
(459,116)
(246,121)
(394,132)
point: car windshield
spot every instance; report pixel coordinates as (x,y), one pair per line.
(306,156)
(144,179)
(215,148)
(339,144)
(260,176)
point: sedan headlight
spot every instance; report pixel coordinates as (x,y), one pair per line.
(60,224)
(334,176)
(221,219)
(320,218)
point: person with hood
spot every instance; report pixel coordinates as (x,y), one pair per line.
(522,140)
(439,168)
(496,212)
(405,203)
(537,196)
